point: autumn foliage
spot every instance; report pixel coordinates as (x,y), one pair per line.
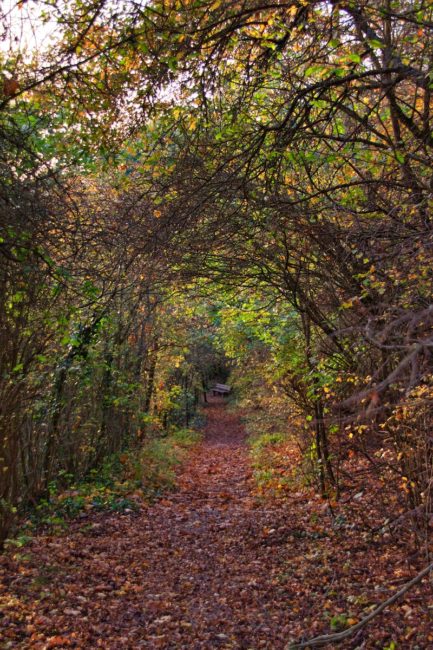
(219,191)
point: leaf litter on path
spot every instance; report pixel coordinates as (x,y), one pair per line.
(208,566)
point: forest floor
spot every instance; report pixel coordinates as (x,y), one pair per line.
(211,565)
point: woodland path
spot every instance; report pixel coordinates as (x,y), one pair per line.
(192,571)
(208,566)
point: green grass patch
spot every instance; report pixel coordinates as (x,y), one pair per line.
(272,453)
(118,485)
(155,466)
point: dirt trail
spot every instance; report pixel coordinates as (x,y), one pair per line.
(208,566)
(192,571)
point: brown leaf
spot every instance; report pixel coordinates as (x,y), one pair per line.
(10,87)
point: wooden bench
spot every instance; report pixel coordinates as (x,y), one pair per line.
(221,389)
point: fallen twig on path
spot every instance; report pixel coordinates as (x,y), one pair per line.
(340,636)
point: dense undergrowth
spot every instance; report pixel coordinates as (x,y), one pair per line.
(122,484)
(275,463)
(284,467)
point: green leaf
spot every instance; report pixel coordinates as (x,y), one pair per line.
(375,43)
(354,57)
(314,69)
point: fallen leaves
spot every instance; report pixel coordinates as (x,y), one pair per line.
(209,566)
(58,642)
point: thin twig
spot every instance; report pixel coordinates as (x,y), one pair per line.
(340,636)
